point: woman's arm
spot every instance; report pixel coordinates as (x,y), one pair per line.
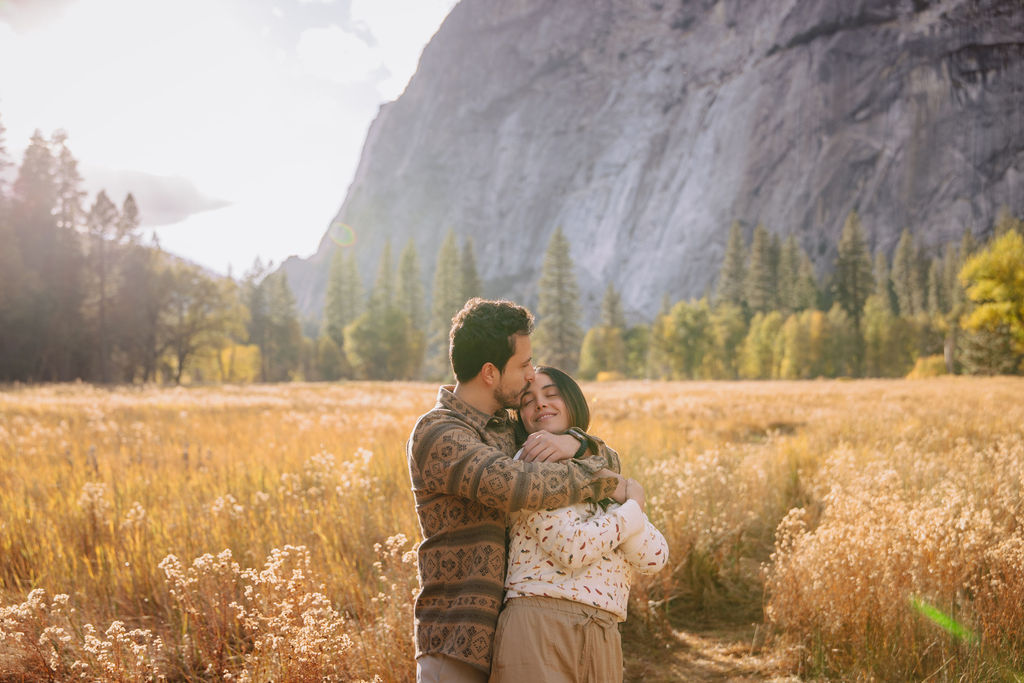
(646,551)
(575,542)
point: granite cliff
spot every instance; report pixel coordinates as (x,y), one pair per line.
(645,128)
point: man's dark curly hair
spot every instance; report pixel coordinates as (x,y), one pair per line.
(484,332)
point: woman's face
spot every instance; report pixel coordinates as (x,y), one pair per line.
(543,407)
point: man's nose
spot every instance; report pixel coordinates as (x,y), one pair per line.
(530,374)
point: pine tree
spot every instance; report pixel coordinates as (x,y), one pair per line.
(141,295)
(604,346)
(788,275)
(102,223)
(446,301)
(330,362)
(382,347)
(952,290)
(410,286)
(471,286)
(44,341)
(284,338)
(883,283)
(382,296)
(344,300)
(12,273)
(904,275)
(657,366)
(130,220)
(968,245)
(381,344)
(35,188)
(956,304)
(732,277)
(611,309)
(68,209)
(255,298)
(936,296)
(638,344)
(990,351)
(558,336)
(886,340)
(1005,222)
(761,285)
(774,258)
(807,290)
(854,280)
(842,351)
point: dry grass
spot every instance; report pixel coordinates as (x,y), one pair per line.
(263,533)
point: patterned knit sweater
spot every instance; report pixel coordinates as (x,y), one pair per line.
(465,484)
(583,553)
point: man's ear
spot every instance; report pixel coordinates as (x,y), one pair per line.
(490,374)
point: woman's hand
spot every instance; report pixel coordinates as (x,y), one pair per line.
(634,491)
(542,446)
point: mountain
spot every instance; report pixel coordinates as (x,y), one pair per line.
(645,128)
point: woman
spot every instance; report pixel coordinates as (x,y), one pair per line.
(569,568)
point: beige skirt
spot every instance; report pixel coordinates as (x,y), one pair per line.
(548,640)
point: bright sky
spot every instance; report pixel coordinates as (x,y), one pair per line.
(260,103)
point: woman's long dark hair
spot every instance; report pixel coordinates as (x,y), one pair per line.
(572,396)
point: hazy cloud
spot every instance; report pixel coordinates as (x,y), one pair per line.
(399,29)
(336,55)
(162,200)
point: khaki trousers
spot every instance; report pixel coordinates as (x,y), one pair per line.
(444,669)
(547,640)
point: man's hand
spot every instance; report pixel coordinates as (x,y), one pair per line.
(619,494)
(634,491)
(542,446)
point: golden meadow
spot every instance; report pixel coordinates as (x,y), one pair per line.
(873,529)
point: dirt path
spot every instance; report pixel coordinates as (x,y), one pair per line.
(732,653)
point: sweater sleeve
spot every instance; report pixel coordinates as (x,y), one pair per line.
(646,550)
(605,456)
(575,542)
(451,459)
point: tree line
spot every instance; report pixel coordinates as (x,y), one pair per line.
(84,296)
(957,310)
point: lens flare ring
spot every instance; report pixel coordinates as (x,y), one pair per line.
(342,234)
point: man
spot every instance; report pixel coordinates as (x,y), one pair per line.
(465,482)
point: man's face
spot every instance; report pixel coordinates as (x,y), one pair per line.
(517,375)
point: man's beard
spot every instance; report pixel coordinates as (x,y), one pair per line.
(507,399)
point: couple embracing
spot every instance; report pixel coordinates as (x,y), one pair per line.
(522,513)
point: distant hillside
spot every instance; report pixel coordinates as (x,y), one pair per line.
(645,128)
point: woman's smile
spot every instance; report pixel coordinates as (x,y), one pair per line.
(543,406)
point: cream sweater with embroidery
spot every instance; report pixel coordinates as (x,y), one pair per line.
(582,553)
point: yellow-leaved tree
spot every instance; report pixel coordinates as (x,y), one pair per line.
(994,280)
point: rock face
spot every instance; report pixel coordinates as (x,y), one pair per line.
(645,128)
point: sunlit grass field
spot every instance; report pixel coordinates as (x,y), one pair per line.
(874,529)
